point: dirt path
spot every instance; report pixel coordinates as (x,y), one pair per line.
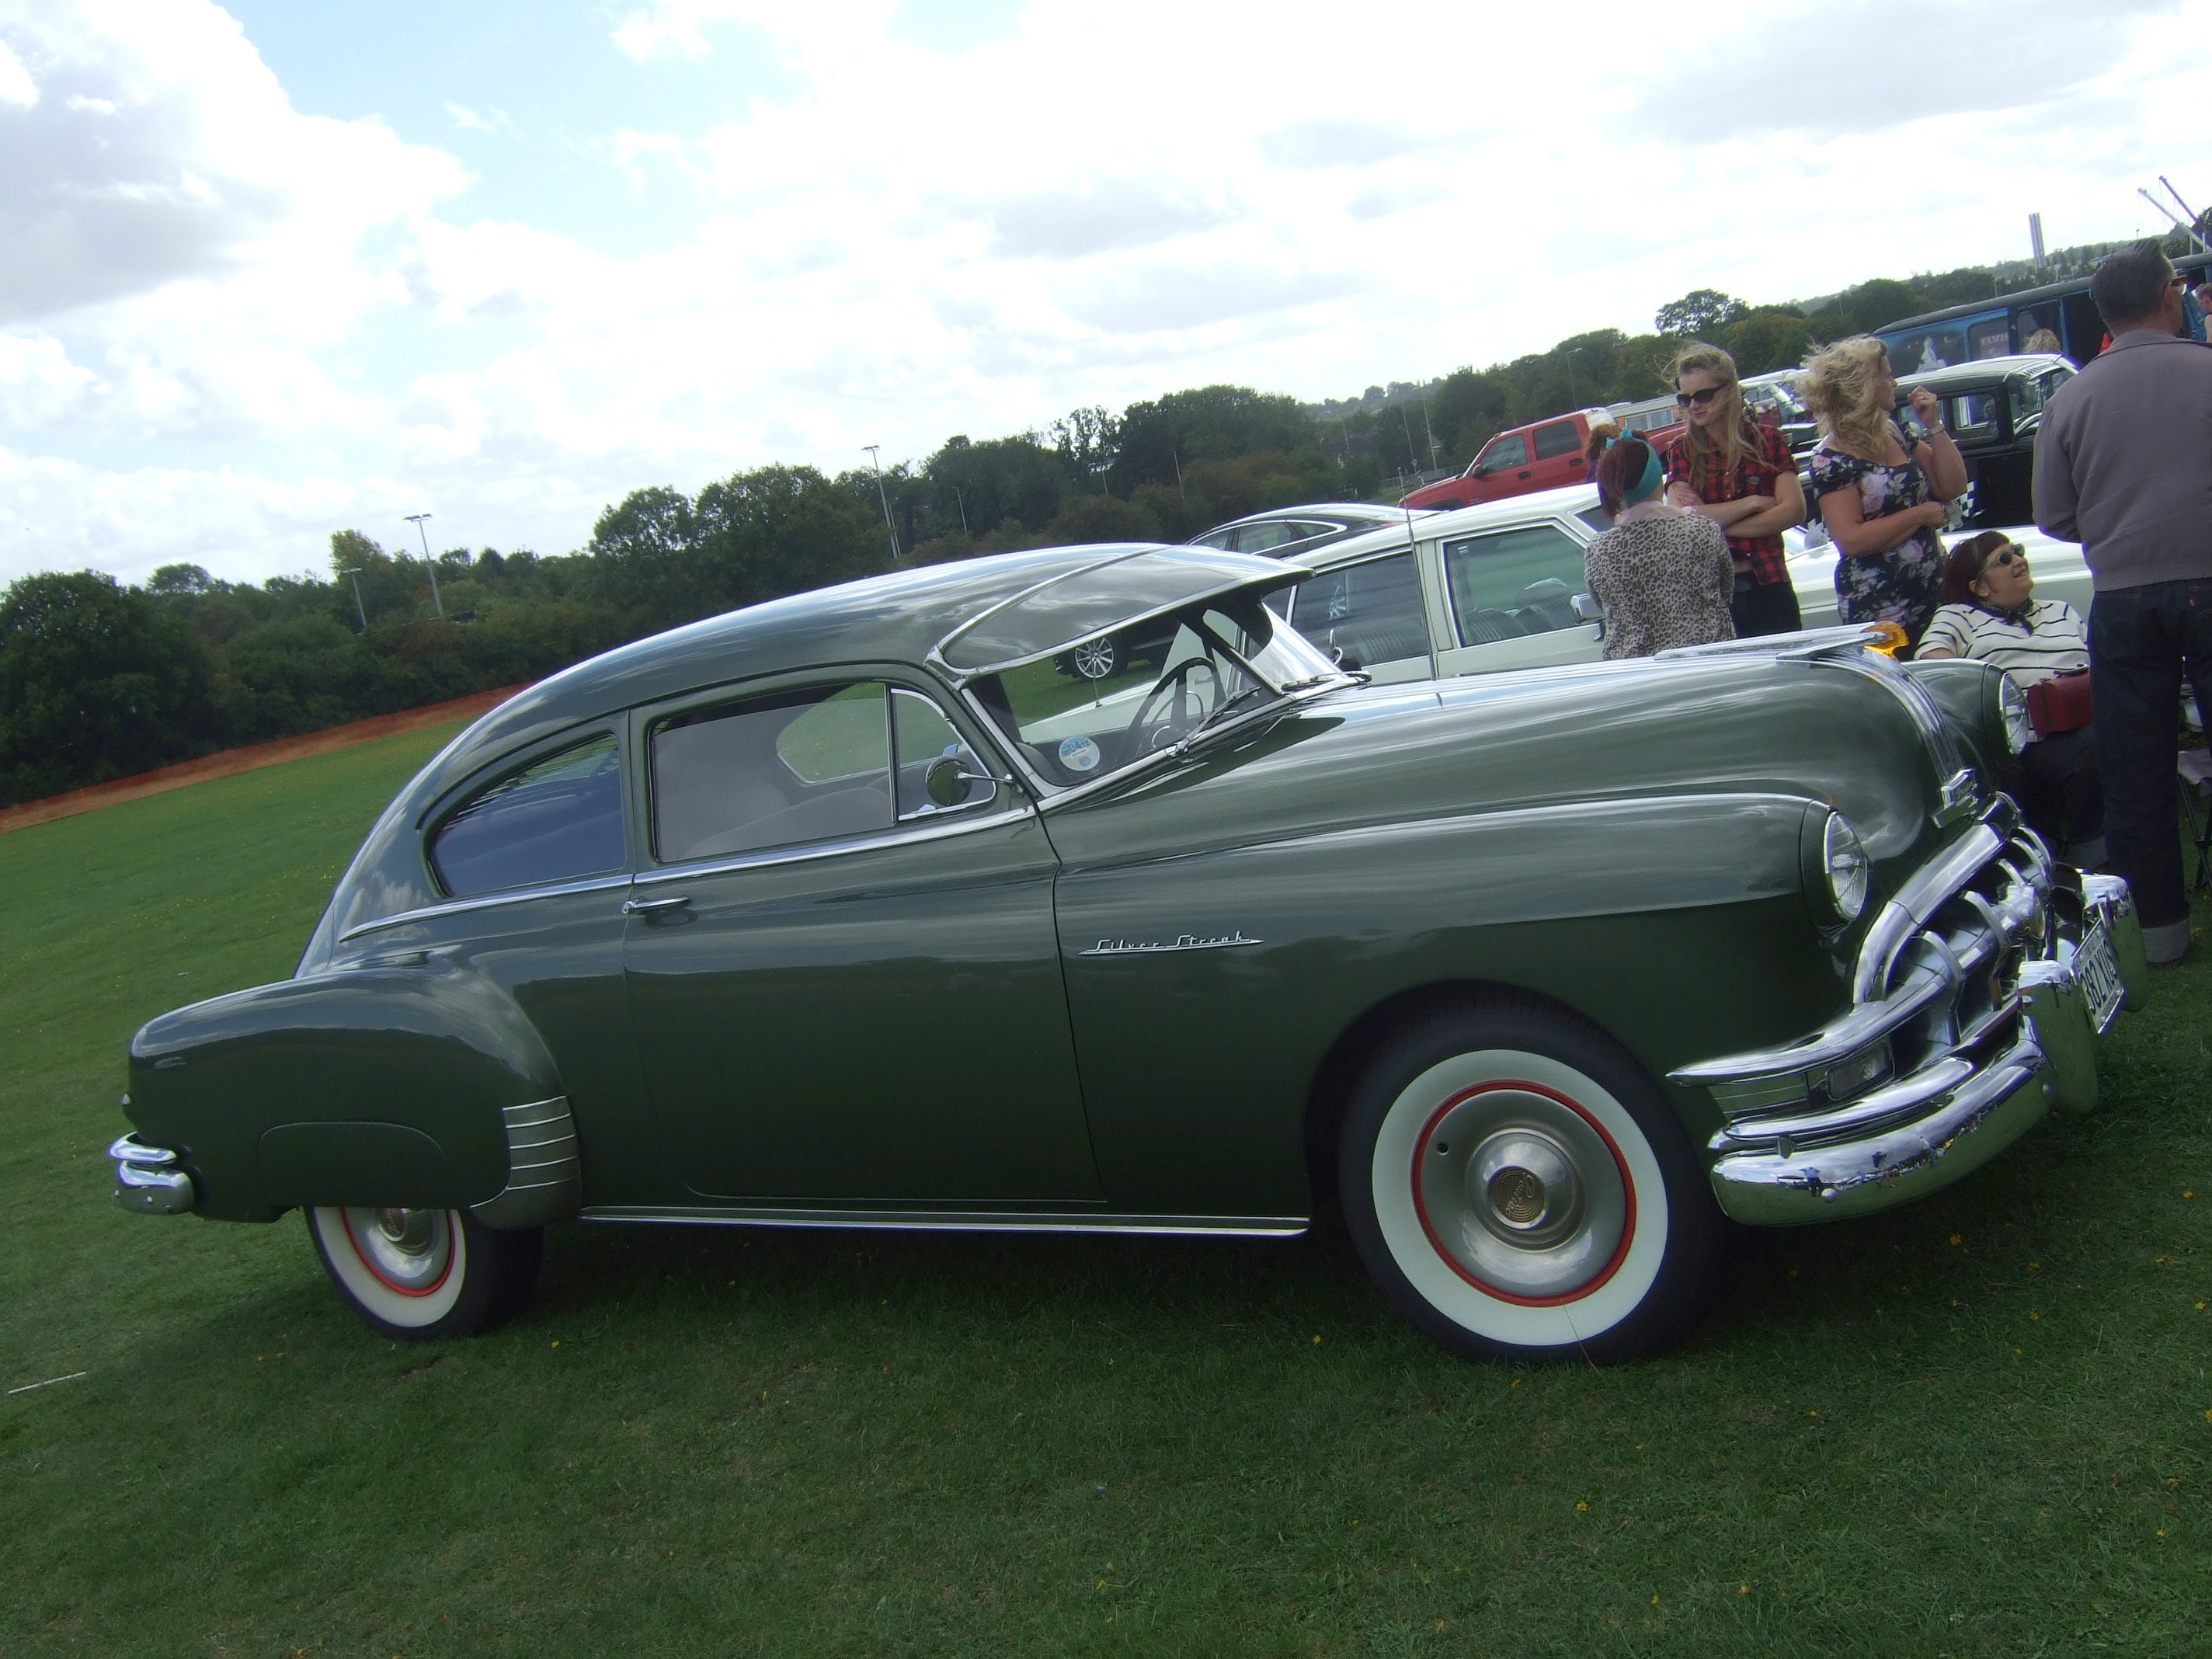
(249,759)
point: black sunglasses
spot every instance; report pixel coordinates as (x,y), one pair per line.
(2003,556)
(1700,399)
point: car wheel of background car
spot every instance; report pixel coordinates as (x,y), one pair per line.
(1521,1189)
(1095,658)
(426,1274)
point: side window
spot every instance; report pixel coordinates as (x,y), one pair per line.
(1221,538)
(1514,582)
(922,736)
(798,766)
(1500,453)
(558,819)
(1370,611)
(1991,337)
(1973,413)
(1279,532)
(1558,439)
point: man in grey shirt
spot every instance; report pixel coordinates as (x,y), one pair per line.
(2123,466)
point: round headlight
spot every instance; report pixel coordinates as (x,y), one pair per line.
(2012,704)
(1845,862)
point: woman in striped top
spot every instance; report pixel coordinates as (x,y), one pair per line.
(1992,615)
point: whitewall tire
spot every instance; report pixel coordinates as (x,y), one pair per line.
(1519,1189)
(425,1273)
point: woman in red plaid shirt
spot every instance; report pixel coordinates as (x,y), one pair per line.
(1740,474)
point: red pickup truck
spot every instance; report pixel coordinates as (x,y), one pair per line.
(1543,455)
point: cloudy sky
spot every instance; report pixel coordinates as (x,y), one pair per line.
(274,269)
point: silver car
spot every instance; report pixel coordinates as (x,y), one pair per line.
(1497,586)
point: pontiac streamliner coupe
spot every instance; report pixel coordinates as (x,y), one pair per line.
(869,907)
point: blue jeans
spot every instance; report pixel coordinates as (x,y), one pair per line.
(2143,642)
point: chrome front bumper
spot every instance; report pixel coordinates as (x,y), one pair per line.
(147,1180)
(1975,1011)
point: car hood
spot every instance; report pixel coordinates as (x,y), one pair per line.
(1751,721)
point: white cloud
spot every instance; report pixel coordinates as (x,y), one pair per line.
(470,120)
(17,86)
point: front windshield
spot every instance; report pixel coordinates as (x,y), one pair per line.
(1107,703)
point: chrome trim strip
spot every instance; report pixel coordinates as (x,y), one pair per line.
(1833,1041)
(973,1221)
(897,836)
(485,902)
(545,1178)
(1906,1095)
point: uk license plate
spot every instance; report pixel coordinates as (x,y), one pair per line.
(2098,971)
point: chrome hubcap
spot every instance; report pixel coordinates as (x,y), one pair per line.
(410,1249)
(1520,1192)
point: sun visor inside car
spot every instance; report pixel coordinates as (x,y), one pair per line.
(1098,597)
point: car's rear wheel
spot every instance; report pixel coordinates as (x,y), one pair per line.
(1519,1189)
(422,1274)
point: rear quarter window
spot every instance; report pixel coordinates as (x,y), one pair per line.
(558,819)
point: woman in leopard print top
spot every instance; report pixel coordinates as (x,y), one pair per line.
(1662,574)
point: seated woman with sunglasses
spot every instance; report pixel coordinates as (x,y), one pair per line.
(1740,474)
(1990,614)
(1660,572)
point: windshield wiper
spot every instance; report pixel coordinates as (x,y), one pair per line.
(1220,714)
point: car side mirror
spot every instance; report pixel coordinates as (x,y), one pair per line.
(946,782)
(1588,608)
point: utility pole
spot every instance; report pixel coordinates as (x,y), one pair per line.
(876,458)
(352,572)
(961,501)
(429,563)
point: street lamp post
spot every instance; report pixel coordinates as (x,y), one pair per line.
(876,459)
(430,564)
(352,572)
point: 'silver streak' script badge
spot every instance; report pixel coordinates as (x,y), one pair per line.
(1122,947)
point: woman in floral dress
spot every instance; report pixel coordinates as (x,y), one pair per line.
(1882,495)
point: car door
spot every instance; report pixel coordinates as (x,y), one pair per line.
(1557,446)
(1503,469)
(1512,594)
(1369,615)
(845,992)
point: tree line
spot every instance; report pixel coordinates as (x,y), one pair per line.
(99,680)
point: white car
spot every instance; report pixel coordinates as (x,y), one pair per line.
(1495,587)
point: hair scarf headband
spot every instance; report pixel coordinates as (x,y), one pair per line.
(1648,485)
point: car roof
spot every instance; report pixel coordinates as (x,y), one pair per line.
(1984,370)
(901,616)
(1568,503)
(1365,511)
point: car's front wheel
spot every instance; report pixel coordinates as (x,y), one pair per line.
(425,1273)
(1521,1189)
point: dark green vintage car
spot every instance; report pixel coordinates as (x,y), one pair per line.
(869,907)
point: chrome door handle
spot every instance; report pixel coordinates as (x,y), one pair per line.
(653,907)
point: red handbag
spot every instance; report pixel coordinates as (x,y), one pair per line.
(2060,704)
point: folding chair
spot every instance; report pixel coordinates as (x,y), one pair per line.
(2195,766)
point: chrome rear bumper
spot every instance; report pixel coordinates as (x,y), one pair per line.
(1975,1012)
(147,1182)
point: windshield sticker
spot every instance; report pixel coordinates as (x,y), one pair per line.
(1078,754)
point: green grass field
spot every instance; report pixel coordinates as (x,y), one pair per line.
(1980,1425)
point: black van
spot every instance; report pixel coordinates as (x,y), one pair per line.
(2007,326)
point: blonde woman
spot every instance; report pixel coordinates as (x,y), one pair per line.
(1740,474)
(1882,494)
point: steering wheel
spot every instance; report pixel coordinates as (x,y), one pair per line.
(1177,681)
